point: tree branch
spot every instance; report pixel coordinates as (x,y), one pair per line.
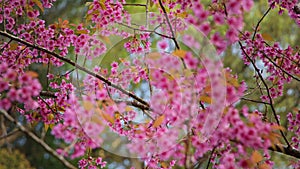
(38,140)
(284,71)
(109,83)
(171,29)
(286,150)
(258,23)
(268,92)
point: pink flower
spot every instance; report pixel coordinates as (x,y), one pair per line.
(162,45)
(82,163)
(205,28)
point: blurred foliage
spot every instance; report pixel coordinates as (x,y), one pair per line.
(279,28)
(13,160)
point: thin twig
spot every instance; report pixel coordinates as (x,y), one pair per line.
(286,150)
(38,140)
(5,45)
(255,101)
(142,5)
(149,31)
(9,134)
(171,29)
(258,23)
(210,157)
(268,92)
(169,24)
(281,68)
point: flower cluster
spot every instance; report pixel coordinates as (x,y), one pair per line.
(291,6)
(91,163)
(138,45)
(294,123)
(18,88)
(106,13)
(228,14)
(189,110)
(280,64)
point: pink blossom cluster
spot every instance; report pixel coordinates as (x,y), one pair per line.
(106,13)
(294,123)
(292,6)
(228,14)
(280,64)
(293,126)
(234,132)
(191,101)
(91,163)
(138,45)
(147,141)
(20,8)
(20,88)
(59,36)
(74,130)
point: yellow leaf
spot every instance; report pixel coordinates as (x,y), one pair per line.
(87,105)
(103,5)
(96,120)
(277,127)
(154,55)
(61,109)
(51,126)
(84,31)
(231,80)
(128,108)
(267,37)
(117,115)
(106,39)
(182,15)
(32,74)
(50,117)
(151,3)
(256,157)
(164,164)
(206,99)
(207,89)
(46,127)
(158,121)
(107,117)
(39,4)
(264,166)
(179,53)
(13,46)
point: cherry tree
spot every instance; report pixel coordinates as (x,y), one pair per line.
(150,85)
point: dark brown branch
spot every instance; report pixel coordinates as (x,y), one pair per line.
(255,101)
(286,150)
(143,5)
(150,31)
(103,79)
(5,45)
(38,140)
(280,149)
(258,23)
(283,55)
(169,24)
(268,92)
(47,94)
(171,29)
(210,157)
(281,68)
